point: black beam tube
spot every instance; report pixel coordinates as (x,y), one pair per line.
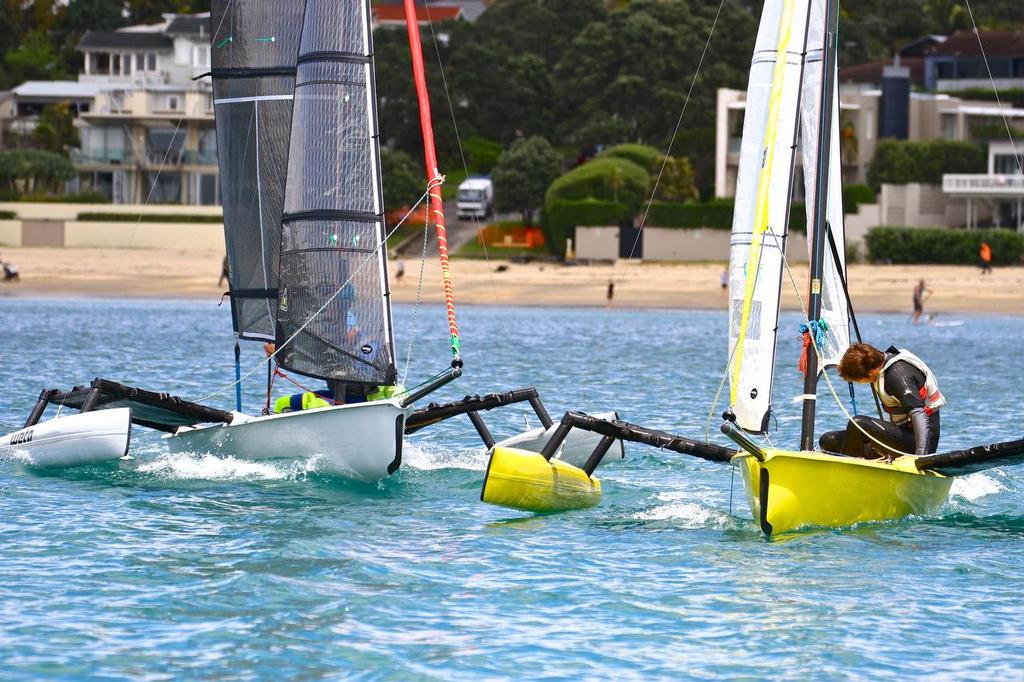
(598,454)
(558,436)
(740,437)
(433,413)
(449,375)
(481,428)
(90,400)
(542,413)
(40,407)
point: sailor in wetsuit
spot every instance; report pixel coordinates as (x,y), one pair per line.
(908,392)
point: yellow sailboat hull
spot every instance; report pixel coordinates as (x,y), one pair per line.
(791,490)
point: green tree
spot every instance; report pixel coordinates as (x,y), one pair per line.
(34,59)
(523,175)
(31,171)
(677,181)
(404,181)
(55,131)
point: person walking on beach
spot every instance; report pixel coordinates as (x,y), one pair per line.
(399,271)
(919,296)
(723,279)
(985,258)
(611,293)
(909,393)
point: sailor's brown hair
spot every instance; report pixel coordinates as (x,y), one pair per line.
(859,361)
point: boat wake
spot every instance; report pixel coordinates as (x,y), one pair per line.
(684,514)
(433,457)
(975,486)
(189,467)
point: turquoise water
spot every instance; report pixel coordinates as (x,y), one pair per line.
(170,567)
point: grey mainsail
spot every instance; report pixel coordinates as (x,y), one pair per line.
(254,44)
(333,220)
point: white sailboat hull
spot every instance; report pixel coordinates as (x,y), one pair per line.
(576,448)
(74,440)
(362,441)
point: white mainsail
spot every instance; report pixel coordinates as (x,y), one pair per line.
(760,218)
(833,301)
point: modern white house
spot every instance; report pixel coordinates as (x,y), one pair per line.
(150,133)
(884,100)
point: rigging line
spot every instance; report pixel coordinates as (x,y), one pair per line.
(824,372)
(416,307)
(675,131)
(370,256)
(992,80)
(458,140)
(152,188)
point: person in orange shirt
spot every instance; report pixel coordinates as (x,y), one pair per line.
(985,261)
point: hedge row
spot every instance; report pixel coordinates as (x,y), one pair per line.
(901,161)
(8,215)
(716,215)
(560,217)
(945,246)
(854,195)
(147,218)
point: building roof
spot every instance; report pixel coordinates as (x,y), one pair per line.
(189,24)
(56,90)
(871,72)
(965,44)
(393,14)
(124,39)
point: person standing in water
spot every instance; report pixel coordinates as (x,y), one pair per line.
(611,293)
(919,292)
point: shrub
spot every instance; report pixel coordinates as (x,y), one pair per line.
(482,154)
(715,214)
(8,215)
(946,246)
(561,216)
(102,217)
(855,195)
(646,157)
(608,178)
(900,162)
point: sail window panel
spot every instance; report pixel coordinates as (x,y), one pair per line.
(335,27)
(349,339)
(333,155)
(254,34)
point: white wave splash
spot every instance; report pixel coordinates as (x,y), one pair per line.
(184,467)
(430,458)
(975,486)
(683,513)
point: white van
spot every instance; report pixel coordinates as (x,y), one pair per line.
(475,198)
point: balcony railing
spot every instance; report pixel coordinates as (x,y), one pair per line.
(194,158)
(113,156)
(984,185)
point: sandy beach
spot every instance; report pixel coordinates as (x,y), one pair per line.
(189,274)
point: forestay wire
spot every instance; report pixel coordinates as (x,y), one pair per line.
(369,257)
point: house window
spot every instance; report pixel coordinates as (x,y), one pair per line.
(151,61)
(949,126)
(172,102)
(127,65)
(200,55)
(115,64)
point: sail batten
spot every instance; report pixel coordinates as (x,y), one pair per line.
(334,296)
(253,81)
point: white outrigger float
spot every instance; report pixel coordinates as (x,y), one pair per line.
(299,157)
(74,440)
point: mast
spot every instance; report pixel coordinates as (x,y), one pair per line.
(436,207)
(818,237)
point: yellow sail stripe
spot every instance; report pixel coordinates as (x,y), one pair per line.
(763,185)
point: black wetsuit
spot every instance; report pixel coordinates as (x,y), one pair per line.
(918,435)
